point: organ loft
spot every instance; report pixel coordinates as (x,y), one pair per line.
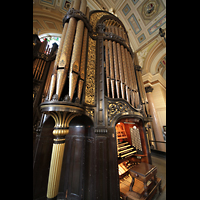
(95,125)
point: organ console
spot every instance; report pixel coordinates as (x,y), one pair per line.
(96,111)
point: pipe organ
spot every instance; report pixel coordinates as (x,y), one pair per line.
(94,87)
(43,60)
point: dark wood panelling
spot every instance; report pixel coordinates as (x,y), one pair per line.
(113,166)
(77,176)
(101,167)
(76,166)
(42,160)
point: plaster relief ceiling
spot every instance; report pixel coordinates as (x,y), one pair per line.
(142,18)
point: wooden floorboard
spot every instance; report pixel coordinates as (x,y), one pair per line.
(138,189)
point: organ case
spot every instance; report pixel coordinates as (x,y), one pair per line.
(97,100)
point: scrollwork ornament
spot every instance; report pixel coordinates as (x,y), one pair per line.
(116,108)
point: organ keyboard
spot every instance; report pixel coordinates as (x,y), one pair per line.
(125,150)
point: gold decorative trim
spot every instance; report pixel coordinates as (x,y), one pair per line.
(63,106)
(55,170)
(90,74)
(95,17)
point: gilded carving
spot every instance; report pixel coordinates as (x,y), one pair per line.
(120,107)
(90,112)
(115,108)
(90,74)
(95,17)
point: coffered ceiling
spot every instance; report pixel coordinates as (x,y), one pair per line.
(142,19)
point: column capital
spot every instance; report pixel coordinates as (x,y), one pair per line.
(148,89)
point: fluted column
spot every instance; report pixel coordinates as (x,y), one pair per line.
(155,122)
(61,129)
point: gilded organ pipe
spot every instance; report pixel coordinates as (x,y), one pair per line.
(76,54)
(54,73)
(66,52)
(83,59)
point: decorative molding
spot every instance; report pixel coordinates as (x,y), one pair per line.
(90,73)
(101,130)
(141,38)
(126,9)
(157,25)
(118,107)
(90,112)
(149,79)
(134,24)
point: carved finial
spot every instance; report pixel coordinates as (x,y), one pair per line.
(67,98)
(55,97)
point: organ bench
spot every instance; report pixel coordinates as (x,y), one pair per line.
(146,184)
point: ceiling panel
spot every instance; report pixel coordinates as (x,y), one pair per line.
(141,18)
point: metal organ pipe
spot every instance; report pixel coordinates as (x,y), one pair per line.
(121,73)
(111,66)
(107,68)
(54,73)
(76,54)
(116,67)
(120,70)
(66,52)
(71,55)
(83,58)
(130,81)
(125,72)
